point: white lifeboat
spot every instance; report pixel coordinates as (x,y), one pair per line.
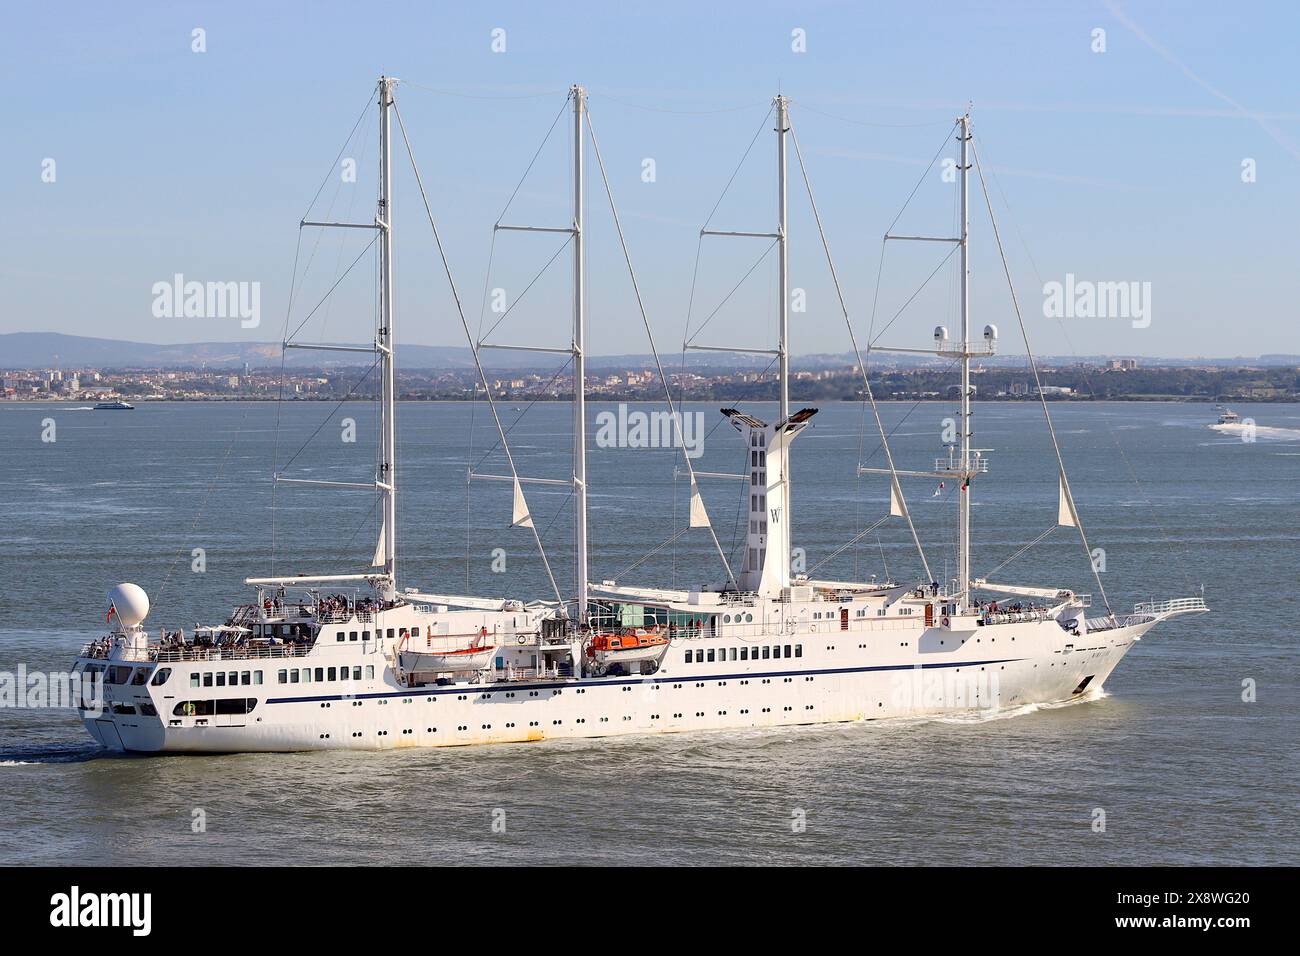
(447,653)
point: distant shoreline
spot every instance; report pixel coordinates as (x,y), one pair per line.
(615,399)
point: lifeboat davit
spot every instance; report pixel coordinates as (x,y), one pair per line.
(627,645)
(448,653)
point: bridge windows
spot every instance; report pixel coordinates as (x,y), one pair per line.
(160,676)
(206,708)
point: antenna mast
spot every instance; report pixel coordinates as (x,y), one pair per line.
(579,367)
(963,544)
(782,527)
(384,343)
(783,281)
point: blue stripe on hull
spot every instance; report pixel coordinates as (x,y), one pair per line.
(519,685)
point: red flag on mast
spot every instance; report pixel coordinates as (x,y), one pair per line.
(112,609)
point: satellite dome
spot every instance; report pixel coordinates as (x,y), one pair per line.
(130,602)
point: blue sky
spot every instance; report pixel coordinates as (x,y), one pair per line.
(1124,165)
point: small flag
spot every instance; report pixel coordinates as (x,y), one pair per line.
(112,609)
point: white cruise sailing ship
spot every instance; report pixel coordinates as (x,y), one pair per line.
(353,661)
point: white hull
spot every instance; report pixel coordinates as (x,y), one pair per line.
(770,649)
(843,676)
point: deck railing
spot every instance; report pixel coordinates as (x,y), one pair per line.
(203,652)
(230,652)
(1175,606)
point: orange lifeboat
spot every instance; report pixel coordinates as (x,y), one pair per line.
(626,645)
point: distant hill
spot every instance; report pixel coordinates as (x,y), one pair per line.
(54,349)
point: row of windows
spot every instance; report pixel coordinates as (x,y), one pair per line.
(379,632)
(128,710)
(746,653)
(206,708)
(860,612)
(222,678)
(758,459)
(306,675)
(758,502)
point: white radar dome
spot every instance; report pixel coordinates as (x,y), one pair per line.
(130,602)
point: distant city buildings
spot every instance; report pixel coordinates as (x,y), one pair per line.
(929,382)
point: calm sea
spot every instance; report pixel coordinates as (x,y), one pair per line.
(1185,769)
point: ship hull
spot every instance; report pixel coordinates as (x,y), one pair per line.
(994,668)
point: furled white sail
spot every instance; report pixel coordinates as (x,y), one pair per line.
(699,517)
(896,506)
(381,548)
(521,518)
(1065,505)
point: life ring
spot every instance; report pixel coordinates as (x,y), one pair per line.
(482,631)
(188,709)
(523,638)
(947,621)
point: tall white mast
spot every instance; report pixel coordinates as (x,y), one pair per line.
(783,280)
(963,544)
(781,528)
(384,342)
(579,367)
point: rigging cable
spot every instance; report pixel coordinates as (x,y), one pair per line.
(866,382)
(1038,381)
(1087,379)
(645,320)
(203,505)
(460,310)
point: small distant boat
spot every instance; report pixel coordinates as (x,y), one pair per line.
(114,407)
(1229,417)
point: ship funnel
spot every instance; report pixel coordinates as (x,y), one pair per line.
(129,604)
